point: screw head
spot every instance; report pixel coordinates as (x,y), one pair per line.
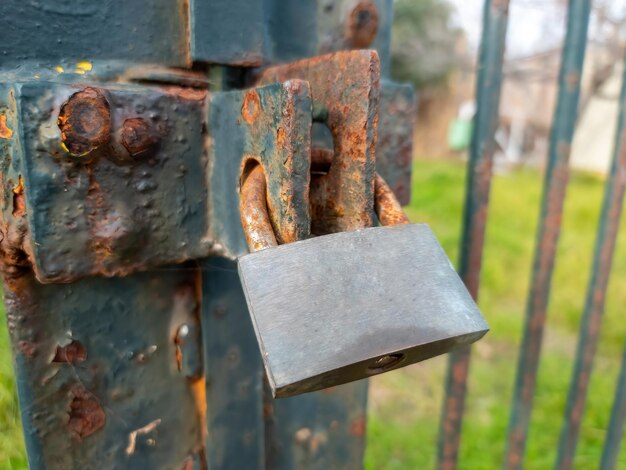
(85,121)
(362,24)
(137,135)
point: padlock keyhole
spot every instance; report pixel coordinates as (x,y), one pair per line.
(385,363)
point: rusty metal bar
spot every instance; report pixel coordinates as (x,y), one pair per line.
(616,425)
(254,216)
(386,204)
(594,309)
(491,56)
(549,227)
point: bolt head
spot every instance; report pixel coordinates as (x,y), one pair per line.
(138,136)
(362,24)
(85,122)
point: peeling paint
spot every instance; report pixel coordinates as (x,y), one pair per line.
(5,132)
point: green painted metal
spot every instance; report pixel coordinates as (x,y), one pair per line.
(396,121)
(132,339)
(82,220)
(157,366)
(549,227)
(491,56)
(234,372)
(329,426)
(97,375)
(594,308)
(145,31)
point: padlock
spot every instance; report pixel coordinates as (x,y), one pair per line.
(341,307)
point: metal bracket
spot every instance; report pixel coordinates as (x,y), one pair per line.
(112,179)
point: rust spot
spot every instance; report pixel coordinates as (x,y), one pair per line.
(342,199)
(86,416)
(358,427)
(500,6)
(85,121)
(19,201)
(5,132)
(281,137)
(27,348)
(318,440)
(362,24)
(179,339)
(572,80)
(188,463)
(137,136)
(251,107)
(71,353)
(198,390)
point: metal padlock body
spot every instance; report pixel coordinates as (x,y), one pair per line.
(346,306)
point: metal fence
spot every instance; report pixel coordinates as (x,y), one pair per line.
(479,173)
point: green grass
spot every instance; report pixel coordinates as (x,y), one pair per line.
(405,405)
(12,454)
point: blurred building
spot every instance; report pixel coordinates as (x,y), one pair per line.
(527,105)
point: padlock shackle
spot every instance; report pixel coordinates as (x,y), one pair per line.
(255,216)
(386,205)
(253,209)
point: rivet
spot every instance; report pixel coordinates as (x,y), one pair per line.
(85,122)
(137,135)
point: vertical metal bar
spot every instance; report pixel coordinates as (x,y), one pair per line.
(616,425)
(490,61)
(596,291)
(549,227)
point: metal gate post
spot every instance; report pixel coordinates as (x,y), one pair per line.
(478,185)
(120,224)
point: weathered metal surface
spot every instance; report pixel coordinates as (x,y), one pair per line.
(386,205)
(555,184)
(356,24)
(279,117)
(354,111)
(297,29)
(148,31)
(335,337)
(234,372)
(116,41)
(491,57)
(271,126)
(91,205)
(394,148)
(181,32)
(596,292)
(97,370)
(343,198)
(255,219)
(227,31)
(319,430)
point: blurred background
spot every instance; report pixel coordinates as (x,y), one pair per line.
(435,47)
